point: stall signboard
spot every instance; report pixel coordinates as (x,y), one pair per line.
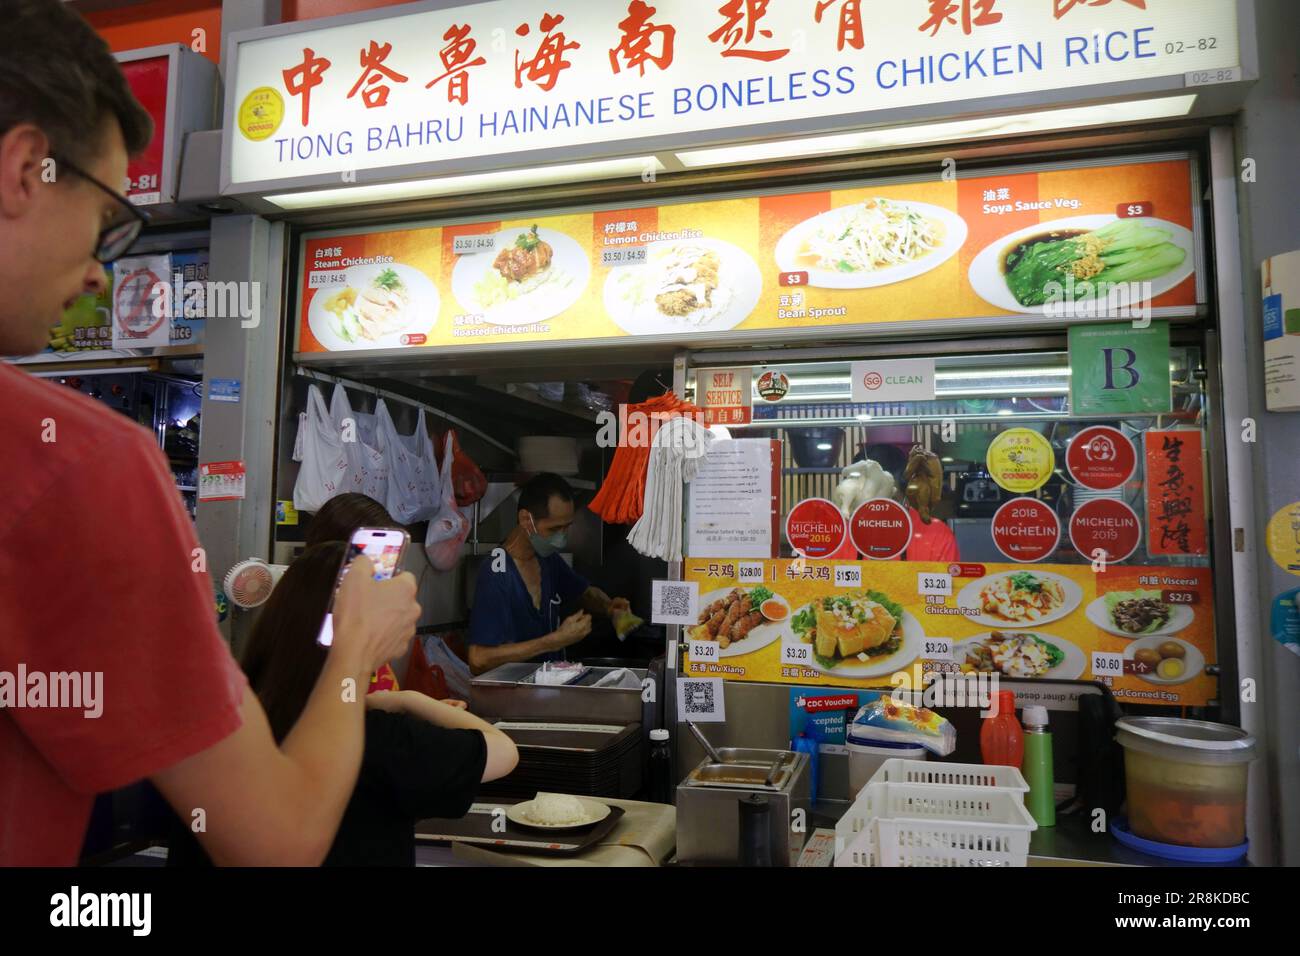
(1175,488)
(791,264)
(1120,368)
(1146,632)
(177,88)
(148,81)
(484,85)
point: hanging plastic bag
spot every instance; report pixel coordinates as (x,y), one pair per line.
(367,469)
(455,673)
(324,468)
(449,529)
(467,479)
(412,486)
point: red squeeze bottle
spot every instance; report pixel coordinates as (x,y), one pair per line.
(1001,739)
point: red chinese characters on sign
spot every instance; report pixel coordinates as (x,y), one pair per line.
(457,59)
(1061,7)
(548,62)
(373,71)
(850,25)
(1175,494)
(301,79)
(741,26)
(641,39)
(974,13)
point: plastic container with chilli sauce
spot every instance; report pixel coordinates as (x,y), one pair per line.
(1186,780)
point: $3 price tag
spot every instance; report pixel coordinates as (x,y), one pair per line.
(796,652)
(702,652)
(1107,664)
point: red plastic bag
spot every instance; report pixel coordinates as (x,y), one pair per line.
(467,480)
(425,677)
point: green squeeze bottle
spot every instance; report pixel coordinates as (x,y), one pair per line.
(1037,766)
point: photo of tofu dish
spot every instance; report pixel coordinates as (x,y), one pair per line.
(858,633)
(742,620)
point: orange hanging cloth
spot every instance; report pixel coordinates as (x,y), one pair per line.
(621,496)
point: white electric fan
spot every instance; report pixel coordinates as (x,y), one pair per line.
(249,583)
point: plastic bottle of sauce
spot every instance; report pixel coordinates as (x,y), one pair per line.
(1001,739)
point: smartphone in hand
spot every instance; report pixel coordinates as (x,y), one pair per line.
(384,547)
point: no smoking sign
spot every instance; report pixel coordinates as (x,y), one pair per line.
(135,285)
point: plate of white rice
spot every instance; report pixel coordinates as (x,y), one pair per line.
(557,811)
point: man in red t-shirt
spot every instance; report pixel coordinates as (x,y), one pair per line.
(102,590)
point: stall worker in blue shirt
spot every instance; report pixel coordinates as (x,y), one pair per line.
(517,599)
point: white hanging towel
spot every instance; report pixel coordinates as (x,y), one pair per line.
(679,446)
(323,471)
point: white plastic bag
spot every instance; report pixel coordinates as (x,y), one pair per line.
(412,490)
(454,671)
(367,469)
(324,469)
(449,528)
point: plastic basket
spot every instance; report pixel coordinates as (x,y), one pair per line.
(899,824)
(902,770)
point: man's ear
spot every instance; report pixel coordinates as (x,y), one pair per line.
(25,168)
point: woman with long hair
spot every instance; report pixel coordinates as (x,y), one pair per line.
(423,758)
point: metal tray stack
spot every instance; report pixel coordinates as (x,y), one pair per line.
(594,760)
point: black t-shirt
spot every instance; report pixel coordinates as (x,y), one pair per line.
(411,770)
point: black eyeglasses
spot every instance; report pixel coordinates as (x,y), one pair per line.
(117,238)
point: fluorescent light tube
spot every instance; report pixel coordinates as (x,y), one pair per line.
(1106,114)
(629,166)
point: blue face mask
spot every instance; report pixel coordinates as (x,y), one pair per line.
(545,547)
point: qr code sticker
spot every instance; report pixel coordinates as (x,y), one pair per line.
(674,602)
(700,699)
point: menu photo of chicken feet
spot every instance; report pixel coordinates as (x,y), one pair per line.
(531,274)
(742,619)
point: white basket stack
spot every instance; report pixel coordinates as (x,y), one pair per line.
(917,813)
